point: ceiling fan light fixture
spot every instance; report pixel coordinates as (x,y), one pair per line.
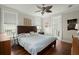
(42,12)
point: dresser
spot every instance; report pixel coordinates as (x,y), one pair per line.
(5,46)
(75,45)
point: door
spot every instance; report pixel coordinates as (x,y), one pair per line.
(57,26)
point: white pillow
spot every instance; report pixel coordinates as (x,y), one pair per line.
(33,33)
(27,34)
(23,35)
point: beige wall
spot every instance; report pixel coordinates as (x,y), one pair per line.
(67,35)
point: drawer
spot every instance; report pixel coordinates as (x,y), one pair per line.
(5,47)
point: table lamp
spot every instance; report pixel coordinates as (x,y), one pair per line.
(77,27)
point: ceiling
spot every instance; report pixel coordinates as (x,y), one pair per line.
(31,8)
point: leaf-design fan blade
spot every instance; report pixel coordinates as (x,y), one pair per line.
(38,11)
(49,7)
(39,7)
(48,11)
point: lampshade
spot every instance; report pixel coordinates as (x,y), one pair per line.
(38,27)
(4,37)
(76,27)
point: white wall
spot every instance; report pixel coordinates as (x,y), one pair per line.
(21,17)
(37,21)
(0,19)
(67,35)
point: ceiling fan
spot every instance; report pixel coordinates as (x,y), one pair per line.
(43,8)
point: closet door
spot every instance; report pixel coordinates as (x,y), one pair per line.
(57,26)
(47,25)
(54,26)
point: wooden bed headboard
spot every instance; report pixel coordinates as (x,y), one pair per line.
(26,29)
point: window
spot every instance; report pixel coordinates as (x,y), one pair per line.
(9,23)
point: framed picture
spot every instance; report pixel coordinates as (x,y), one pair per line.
(71,24)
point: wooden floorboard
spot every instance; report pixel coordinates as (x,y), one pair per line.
(62,48)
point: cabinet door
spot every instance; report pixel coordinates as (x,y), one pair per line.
(5,48)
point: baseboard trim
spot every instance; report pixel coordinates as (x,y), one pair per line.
(67,41)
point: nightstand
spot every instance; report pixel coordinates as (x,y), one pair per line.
(41,33)
(5,44)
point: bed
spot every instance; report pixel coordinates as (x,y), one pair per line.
(34,43)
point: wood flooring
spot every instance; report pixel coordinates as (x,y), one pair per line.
(62,48)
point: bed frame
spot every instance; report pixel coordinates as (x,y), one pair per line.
(28,29)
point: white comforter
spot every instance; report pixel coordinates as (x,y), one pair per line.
(35,43)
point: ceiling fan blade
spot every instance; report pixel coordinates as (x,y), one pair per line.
(38,11)
(44,9)
(39,7)
(48,11)
(49,7)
